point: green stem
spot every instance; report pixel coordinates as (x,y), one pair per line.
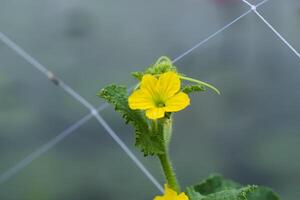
(164,128)
(163,58)
(169,171)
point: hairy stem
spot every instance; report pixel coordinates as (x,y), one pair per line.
(165,128)
(169,172)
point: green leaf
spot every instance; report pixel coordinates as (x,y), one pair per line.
(148,142)
(193,194)
(228,194)
(216,187)
(262,193)
(231,194)
(215,183)
(193,88)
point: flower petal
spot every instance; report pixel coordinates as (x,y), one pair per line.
(169,193)
(149,83)
(182,196)
(140,99)
(155,113)
(168,84)
(177,102)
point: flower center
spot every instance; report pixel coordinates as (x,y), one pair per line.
(159,103)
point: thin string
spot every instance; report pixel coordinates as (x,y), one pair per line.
(43,149)
(261,3)
(254,9)
(47,146)
(215,34)
(80,99)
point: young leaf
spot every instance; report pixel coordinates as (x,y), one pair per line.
(162,65)
(138,75)
(193,88)
(148,143)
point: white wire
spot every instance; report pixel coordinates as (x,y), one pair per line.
(277,33)
(112,133)
(128,152)
(253,7)
(80,99)
(249,4)
(46,147)
(261,3)
(23,54)
(43,149)
(210,37)
(216,33)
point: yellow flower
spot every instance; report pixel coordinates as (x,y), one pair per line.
(159,95)
(171,195)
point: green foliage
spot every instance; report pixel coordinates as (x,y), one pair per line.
(146,140)
(216,187)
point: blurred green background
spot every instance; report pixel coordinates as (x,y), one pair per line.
(250,133)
